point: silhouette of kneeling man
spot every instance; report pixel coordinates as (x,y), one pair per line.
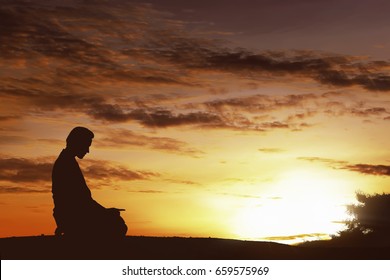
(75,212)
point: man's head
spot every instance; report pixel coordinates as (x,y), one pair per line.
(79,140)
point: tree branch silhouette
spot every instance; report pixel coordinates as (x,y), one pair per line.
(371,220)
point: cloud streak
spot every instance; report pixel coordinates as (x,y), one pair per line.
(16,190)
(156,117)
(369,169)
(126,138)
(20,170)
(28,175)
(366,169)
(271,150)
(105,171)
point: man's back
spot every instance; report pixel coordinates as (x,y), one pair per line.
(70,192)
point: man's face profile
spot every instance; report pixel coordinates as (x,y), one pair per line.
(82,148)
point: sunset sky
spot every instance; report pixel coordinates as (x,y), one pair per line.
(247,119)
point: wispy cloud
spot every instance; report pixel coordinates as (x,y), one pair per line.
(332,162)
(298,237)
(260,103)
(182,182)
(16,190)
(8,117)
(271,150)
(240,195)
(147,191)
(367,169)
(101,170)
(14,139)
(126,138)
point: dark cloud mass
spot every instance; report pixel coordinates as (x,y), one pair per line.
(337,71)
(166,118)
(86,56)
(153,117)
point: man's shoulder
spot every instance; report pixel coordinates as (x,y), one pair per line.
(64,159)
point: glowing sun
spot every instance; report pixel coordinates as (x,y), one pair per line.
(299,202)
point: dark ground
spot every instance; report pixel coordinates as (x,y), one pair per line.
(175,248)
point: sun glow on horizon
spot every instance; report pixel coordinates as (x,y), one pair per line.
(300,202)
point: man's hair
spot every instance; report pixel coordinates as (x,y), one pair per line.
(78,135)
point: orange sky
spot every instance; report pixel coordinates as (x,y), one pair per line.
(205,124)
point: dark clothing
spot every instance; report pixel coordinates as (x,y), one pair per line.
(75,212)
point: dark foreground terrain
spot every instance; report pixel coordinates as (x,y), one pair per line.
(160,248)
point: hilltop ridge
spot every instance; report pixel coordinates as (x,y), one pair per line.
(169,248)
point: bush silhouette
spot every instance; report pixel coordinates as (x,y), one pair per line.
(371,220)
